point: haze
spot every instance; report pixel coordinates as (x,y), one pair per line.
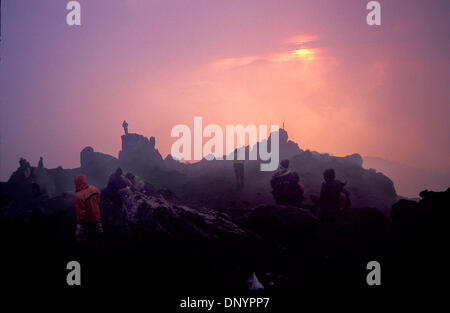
(339,85)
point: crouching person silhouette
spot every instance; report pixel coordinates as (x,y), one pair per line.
(87,200)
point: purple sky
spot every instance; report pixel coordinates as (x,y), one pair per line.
(340,85)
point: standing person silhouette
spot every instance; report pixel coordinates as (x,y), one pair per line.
(125,127)
(333,196)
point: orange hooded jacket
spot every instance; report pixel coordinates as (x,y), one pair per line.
(87,201)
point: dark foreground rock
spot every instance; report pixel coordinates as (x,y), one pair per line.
(420,238)
(152,236)
(281,223)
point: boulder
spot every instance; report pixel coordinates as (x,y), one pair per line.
(157,215)
(152,212)
(284,224)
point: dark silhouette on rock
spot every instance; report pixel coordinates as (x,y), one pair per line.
(420,232)
(238,166)
(139,155)
(333,195)
(286,188)
(22,174)
(41,163)
(97,166)
(125,127)
(214,182)
(154,234)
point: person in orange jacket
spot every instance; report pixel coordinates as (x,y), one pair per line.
(87,210)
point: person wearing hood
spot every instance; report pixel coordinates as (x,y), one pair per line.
(87,210)
(286,186)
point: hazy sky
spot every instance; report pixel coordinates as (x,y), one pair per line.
(340,85)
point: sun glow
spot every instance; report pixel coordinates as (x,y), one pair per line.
(306,54)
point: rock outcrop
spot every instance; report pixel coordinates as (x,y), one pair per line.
(139,154)
(22,174)
(154,232)
(213,182)
(146,209)
(97,166)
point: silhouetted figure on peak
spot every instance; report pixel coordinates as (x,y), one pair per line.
(333,195)
(286,187)
(125,127)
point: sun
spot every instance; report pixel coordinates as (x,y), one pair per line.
(306,54)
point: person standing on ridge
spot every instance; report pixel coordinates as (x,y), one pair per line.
(125,127)
(41,163)
(87,200)
(238,166)
(333,195)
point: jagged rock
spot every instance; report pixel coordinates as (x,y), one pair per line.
(288,148)
(430,214)
(158,215)
(213,182)
(420,236)
(22,174)
(139,154)
(97,166)
(44,180)
(172,164)
(92,161)
(354,159)
(63,179)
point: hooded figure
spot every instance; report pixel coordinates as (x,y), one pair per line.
(87,209)
(286,187)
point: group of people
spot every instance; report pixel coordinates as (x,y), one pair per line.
(287,190)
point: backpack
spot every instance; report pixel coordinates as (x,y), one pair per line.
(334,196)
(286,188)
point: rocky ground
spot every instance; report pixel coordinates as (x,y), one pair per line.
(152,237)
(211,183)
